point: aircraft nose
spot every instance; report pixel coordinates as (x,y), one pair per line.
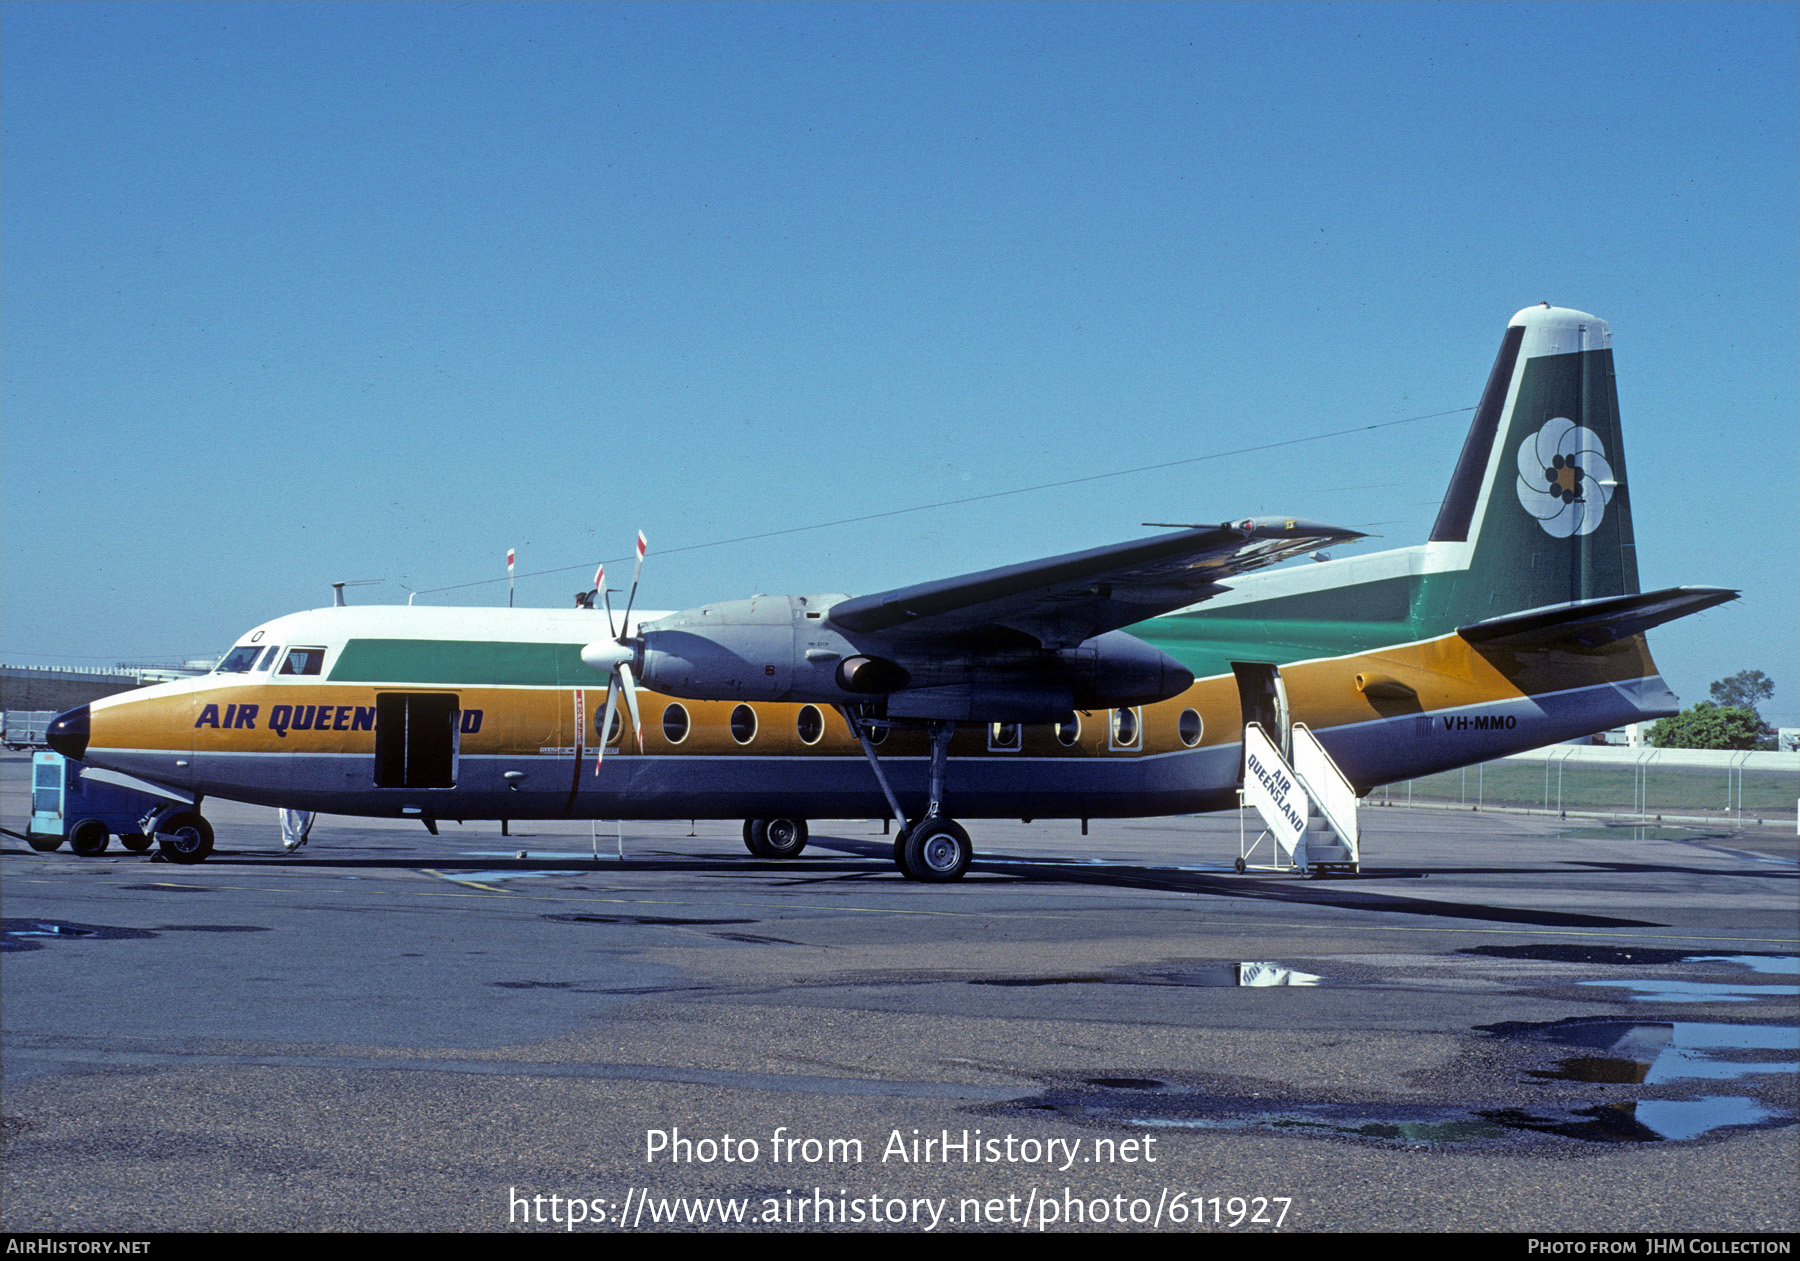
(68,733)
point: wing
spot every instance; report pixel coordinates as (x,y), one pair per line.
(1062,600)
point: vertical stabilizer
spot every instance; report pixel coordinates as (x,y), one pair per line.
(1538,511)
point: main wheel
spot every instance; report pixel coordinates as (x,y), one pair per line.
(937,851)
(900,846)
(1240,866)
(750,841)
(44,842)
(185,837)
(136,842)
(783,838)
(89,837)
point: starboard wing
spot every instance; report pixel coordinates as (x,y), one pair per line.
(1062,600)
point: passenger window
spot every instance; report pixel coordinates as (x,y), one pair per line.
(1124,729)
(303,661)
(238,660)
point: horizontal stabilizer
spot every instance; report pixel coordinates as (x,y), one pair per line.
(1593,623)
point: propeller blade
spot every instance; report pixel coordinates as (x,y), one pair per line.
(607,601)
(630,690)
(636,573)
(612,702)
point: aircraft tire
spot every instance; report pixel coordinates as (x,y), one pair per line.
(1241,866)
(44,842)
(938,851)
(783,838)
(88,838)
(900,849)
(186,837)
(750,826)
(136,842)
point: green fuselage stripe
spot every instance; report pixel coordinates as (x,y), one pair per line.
(463,663)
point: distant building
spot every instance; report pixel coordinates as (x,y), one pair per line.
(1787,739)
(60,688)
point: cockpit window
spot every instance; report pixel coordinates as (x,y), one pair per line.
(238,660)
(268,657)
(303,661)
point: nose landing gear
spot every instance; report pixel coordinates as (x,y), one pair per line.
(183,836)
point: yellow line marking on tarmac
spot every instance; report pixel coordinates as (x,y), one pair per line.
(472,884)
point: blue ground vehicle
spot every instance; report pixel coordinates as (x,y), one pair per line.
(65,804)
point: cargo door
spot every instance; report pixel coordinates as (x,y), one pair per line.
(417,739)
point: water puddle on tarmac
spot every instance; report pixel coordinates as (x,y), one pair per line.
(1255,974)
(1644,1076)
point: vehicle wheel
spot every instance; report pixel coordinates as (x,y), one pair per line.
(783,838)
(1241,866)
(938,851)
(185,837)
(136,842)
(750,826)
(44,842)
(88,838)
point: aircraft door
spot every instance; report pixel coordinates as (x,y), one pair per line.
(417,739)
(1262,698)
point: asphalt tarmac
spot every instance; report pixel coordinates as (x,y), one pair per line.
(1519,1023)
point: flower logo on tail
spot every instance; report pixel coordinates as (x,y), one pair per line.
(1564,479)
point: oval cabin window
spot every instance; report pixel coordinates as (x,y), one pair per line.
(743,724)
(811,724)
(675,724)
(1190,727)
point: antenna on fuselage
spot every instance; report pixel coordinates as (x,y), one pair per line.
(337,589)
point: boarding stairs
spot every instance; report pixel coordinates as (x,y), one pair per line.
(1307,807)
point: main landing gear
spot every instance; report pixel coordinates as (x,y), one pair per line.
(931,848)
(775,838)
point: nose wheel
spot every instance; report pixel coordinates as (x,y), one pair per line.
(185,837)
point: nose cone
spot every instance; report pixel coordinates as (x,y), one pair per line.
(68,733)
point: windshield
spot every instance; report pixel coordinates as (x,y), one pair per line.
(239,660)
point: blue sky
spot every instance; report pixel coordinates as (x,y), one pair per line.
(299,293)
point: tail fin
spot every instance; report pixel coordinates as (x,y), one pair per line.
(1538,514)
(1538,511)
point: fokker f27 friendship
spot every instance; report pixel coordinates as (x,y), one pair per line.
(1010,693)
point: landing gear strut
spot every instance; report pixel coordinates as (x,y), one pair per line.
(931,848)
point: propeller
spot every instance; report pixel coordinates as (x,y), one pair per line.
(615,655)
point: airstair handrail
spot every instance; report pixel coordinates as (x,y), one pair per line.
(1335,795)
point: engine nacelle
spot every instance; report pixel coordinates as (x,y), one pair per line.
(784,648)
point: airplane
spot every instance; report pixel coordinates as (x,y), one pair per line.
(1015,692)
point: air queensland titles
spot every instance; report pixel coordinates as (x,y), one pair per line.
(286,718)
